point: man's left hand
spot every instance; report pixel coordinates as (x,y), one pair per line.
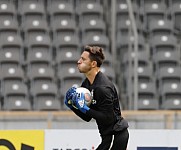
(79,101)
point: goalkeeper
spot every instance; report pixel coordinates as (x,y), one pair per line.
(105,107)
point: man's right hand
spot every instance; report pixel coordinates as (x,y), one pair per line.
(68,97)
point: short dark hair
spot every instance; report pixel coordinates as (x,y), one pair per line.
(96,54)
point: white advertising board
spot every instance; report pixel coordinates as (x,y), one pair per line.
(67,139)
(90,139)
(155,139)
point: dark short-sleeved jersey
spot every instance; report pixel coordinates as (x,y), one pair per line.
(105,105)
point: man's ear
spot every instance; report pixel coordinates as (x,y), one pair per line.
(94,64)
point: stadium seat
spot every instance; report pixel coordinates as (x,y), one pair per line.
(171,104)
(64,57)
(7,10)
(34,26)
(170,91)
(11,56)
(37,48)
(89,11)
(12,73)
(68,72)
(44,96)
(147,103)
(11,50)
(58,10)
(44,103)
(163,43)
(38,41)
(9,26)
(122,11)
(43,89)
(131,39)
(166,59)
(168,75)
(70,42)
(64,27)
(39,57)
(11,41)
(147,95)
(161,27)
(154,11)
(147,89)
(41,74)
(124,26)
(124,42)
(14,88)
(99,40)
(145,73)
(128,59)
(16,103)
(31,10)
(95,26)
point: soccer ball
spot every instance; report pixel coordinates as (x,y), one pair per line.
(87,95)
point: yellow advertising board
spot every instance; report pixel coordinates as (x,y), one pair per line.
(21,139)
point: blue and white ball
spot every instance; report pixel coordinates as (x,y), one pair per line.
(87,95)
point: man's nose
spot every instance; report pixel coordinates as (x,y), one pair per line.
(78,62)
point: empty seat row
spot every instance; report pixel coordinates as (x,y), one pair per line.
(159,59)
(32,18)
(16,96)
(149,10)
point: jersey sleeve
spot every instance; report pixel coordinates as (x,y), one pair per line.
(81,115)
(104,110)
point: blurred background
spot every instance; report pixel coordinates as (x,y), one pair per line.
(41,41)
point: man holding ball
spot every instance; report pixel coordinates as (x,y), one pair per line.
(105,107)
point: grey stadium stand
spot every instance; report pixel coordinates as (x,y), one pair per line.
(41,42)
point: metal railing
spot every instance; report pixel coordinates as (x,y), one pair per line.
(160,119)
